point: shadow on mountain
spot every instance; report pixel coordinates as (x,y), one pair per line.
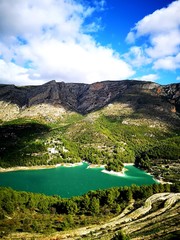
(19,141)
(147,98)
(154,107)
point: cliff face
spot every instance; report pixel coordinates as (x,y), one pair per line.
(85,98)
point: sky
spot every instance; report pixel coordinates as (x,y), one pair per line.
(89,41)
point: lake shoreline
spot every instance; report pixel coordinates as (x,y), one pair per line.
(158,180)
(119,174)
(23,168)
(90,166)
(95,165)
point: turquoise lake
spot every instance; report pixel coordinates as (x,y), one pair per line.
(71,181)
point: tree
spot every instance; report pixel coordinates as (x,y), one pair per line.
(95,206)
(120,236)
(85,202)
(127,194)
(118,208)
(71,207)
(112,195)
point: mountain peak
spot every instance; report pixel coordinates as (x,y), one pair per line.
(50,82)
(85,98)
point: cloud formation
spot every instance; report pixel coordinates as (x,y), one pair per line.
(137,57)
(50,39)
(161,29)
(149,77)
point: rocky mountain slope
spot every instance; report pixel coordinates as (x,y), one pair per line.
(103,123)
(85,98)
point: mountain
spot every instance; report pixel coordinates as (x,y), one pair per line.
(147,97)
(106,123)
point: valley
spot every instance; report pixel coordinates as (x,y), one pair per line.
(107,123)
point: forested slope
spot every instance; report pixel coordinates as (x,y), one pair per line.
(41,215)
(103,123)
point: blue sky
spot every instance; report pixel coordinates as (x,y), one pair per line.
(89,41)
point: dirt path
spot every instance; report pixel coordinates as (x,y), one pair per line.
(129,220)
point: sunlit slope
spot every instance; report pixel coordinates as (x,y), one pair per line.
(112,135)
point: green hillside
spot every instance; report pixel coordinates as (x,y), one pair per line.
(110,136)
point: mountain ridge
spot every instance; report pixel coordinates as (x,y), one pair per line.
(85,98)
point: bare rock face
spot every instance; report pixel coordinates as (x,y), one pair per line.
(47,93)
(172,94)
(85,98)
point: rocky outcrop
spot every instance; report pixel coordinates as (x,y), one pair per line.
(85,98)
(172,94)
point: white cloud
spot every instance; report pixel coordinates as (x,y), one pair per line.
(131,37)
(52,36)
(161,32)
(168,63)
(164,44)
(32,17)
(69,62)
(178,78)
(137,57)
(163,20)
(19,75)
(149,77)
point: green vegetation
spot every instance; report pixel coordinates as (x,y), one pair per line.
(19,141)
(120,236)
(108,136)
(111,136)
(37,213)
(162,160)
